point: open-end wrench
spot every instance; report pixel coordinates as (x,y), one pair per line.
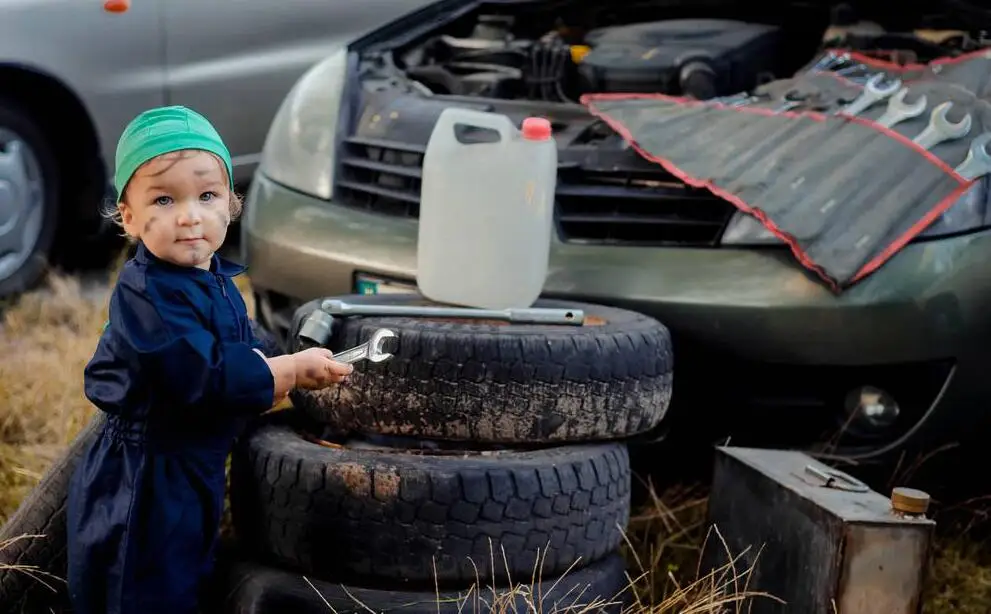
(977,162)
(371,350)
(831,60)
(788,105)
(940,129)
(899,111)
(874,92)
(742,102)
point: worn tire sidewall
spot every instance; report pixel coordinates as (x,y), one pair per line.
(519,391)
(365,514)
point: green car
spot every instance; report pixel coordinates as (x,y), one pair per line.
(764,352)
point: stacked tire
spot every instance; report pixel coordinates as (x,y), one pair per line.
(485,462)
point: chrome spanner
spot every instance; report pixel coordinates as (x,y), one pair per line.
(788,106)
(898,111)
(371,350)
(977,162)
(831,60)
(745,101)
(873,93)
(940,129)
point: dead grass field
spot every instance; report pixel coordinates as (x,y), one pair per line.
(47,337)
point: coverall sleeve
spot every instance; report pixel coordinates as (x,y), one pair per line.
(253,340)
(184,363)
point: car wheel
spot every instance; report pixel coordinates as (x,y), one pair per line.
(256,589)
(499,383)
(29,182)
(359,513)
(42,514)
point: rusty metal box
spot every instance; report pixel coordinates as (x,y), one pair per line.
(817,539)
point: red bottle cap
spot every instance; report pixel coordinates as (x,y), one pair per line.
(116,6)
(536,129)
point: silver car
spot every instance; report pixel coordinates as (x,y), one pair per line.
(897,363)
(72,76)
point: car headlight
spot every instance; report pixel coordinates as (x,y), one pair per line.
(300,146)
(970,212)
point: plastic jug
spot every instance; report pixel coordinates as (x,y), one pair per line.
(486,210)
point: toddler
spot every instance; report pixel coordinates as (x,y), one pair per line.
(177,370)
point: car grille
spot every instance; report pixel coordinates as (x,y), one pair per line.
(638,208)
(381,176)
(646,206)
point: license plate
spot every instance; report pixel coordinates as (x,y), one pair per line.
(367,284)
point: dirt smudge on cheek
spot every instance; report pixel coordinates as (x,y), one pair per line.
(150,224)
(223,219)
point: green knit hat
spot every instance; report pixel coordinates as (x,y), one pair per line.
(163,130)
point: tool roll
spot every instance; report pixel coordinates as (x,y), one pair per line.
(845,167)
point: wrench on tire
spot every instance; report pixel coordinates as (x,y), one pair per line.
(940,129)
(977,162)
(898,111)
(873,93)
(371,350)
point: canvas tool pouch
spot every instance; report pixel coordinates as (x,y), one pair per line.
(844,192)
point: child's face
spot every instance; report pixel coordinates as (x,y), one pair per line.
(179,205)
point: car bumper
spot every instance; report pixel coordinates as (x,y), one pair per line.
(748,312)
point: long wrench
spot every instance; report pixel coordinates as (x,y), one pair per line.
(977,162)
(574,317)
(831,60)
(898,111)
(873,93)
(940,129)
(371,350)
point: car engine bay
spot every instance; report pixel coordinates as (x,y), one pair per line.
(552,52)
(539,57)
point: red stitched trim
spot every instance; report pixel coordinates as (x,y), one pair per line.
(911,233)
(691,102)
(886,65)
(796,250)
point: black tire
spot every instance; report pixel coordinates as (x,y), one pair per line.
(42,513)
(13,117)
(361,514)
(500,383)
(255,589)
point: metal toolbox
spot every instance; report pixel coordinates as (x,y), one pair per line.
(816,538)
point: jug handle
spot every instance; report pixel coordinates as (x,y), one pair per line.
(452,117)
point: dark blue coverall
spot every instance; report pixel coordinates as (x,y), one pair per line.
(176,372)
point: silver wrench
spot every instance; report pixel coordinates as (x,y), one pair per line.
(873,92)
(371,350)
(898,111)
(744,101)
(977,162)
(788,106)
(940,129)
(831,60)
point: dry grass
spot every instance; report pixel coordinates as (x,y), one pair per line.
(47,337)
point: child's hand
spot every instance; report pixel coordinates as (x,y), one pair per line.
(316,368)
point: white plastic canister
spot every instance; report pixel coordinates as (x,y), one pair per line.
(486,210)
